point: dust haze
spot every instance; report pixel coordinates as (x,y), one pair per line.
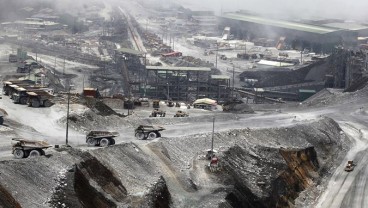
(341,9)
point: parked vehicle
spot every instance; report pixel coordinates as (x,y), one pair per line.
(39,98)
(143,132)
(180,113)
(170,103)
(24,148)
(156,104)
(350,166)
(20,95)
(141,102)
(101,138)
(7,88)
(158,113)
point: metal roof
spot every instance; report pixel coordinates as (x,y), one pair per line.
(171,68)
(21,89)
(220,77)
(207,101)
(347,25)
(26,22)
(280,23)
(130,51)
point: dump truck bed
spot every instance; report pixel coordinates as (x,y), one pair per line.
(101,134)
(39,93)
(150,128)
(31,143)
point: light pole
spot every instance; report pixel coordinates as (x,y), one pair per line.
(216,53)
(67,117)
(168,92)
(213,130)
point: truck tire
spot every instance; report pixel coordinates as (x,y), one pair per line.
(23,100)
(18,153)
(111,141)
(104,142)
(47,103)
(35,103)
(152,135)
(34,153)
(1,120)
(140,135)
(91,142)
(158,134)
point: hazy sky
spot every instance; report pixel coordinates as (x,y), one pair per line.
(344,9)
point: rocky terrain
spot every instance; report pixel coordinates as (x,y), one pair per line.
(255,163)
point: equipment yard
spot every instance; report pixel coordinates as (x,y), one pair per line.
(156,104)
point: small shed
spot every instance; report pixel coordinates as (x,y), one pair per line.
(205,103)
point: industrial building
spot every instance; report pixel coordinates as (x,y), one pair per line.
(35,24)
(317,38)
(359,29)
(186,83)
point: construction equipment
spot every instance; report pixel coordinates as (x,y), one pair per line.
(158,113)
(20,95)
(91,92)
(141,102)
(170,103)
(12,89)
(223,57)
(128,104)
(180,113)
(143,132)
(350,166)
(101,138)
(214,165)
(39,98)
(24,148)
(7,88)
(156,103)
